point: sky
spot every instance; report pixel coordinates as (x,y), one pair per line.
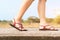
(10,8)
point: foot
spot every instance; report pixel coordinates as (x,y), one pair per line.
(18,26)
(47,27)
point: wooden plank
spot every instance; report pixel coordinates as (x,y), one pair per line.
(31,34)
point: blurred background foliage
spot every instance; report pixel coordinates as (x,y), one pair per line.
(32,21)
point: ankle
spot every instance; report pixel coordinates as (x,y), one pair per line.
(43,23)
(17,21)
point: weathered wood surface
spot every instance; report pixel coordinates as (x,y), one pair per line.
(31,34)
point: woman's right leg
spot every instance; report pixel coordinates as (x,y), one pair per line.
(22,10)
(17,20)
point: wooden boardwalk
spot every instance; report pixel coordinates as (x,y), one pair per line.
(31,34)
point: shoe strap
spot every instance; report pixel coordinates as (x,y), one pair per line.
(20,25)
(45,26)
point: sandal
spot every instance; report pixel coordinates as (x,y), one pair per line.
(18,26)
(47,27)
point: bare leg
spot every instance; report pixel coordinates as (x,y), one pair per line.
(23,8)
(41,11)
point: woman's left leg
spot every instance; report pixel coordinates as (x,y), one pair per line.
(41,11)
